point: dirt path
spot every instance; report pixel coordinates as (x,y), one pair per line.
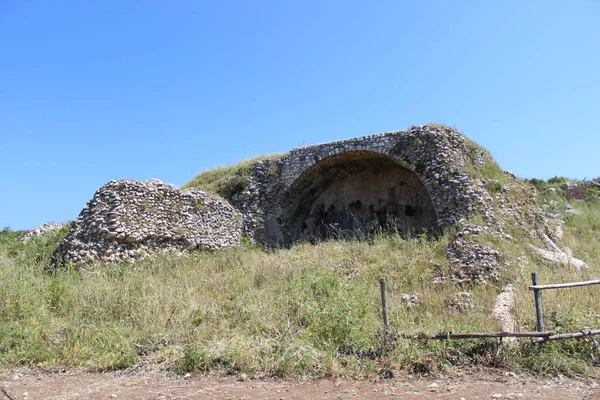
(154,385)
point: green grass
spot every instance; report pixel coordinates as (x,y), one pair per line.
(309,310)
(228,180)
(554,182)
(568,310)
(312,310)
(38,249)
(490,170)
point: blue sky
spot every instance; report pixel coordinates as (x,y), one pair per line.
(120,89)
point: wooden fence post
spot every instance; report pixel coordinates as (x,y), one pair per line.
(383,302)
(538,304)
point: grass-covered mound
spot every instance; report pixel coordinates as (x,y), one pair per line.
(308,310)
(228,180)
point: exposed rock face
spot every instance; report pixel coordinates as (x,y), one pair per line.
(460,302)
(501,311)
(260,195)
(473,262)
(127,220)
(40,230)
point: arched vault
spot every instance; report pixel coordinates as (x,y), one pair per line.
(355,192)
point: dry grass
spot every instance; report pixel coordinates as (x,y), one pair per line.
(228,180)
(309,310)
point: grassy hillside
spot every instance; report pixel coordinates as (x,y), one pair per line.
(309,310)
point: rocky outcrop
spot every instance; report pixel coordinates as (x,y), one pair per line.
(560,257)
(473,262)
(502,312)
(127,220)
(460,302)
(40,230)
(260,194)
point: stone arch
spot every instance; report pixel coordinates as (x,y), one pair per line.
(342,193)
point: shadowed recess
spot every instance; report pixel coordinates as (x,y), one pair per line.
(356,192)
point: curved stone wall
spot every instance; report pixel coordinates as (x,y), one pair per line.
(429,159)
(355,192)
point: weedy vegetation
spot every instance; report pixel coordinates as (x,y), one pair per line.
(226,181)
(311,310)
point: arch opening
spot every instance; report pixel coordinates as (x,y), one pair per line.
(356,193)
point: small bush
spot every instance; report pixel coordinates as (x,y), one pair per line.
(233,185)
(493,186)
(592,194)
(554,182)
(194,359)
(8,237)
(557,180)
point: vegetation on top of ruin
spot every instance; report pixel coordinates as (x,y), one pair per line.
(228,180)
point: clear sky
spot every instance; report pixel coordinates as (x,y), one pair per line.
(137,89)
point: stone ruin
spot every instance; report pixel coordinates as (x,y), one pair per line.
(418,181)
(127,220)
(39,231)
(414,179)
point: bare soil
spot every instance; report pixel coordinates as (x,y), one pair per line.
(27,384)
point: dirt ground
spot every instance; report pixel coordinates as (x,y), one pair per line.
(27,384)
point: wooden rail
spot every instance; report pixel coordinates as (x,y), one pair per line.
(481,335)
(564,285)
(539,336)
(537,298)
(583,333)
